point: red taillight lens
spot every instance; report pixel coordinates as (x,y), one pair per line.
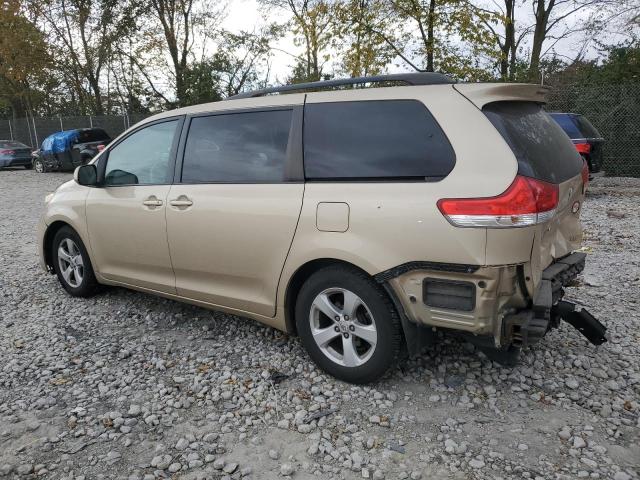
(7,152)
(583,148)
(526,202)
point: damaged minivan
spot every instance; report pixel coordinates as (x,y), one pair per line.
(361,219)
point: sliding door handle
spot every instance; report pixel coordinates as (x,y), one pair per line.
(181,201)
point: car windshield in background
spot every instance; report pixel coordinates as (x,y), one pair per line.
(567,124)
(541,147)
(92,136)
(12,144)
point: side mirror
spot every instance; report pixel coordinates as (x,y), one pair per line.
(86,175)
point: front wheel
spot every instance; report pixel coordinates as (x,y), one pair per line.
(348,324)
(71,263)
(39,166)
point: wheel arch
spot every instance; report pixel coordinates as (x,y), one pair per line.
(47,242)
(297,280)
(49,235)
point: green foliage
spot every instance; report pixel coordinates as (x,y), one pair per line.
(144,55)
(24,60)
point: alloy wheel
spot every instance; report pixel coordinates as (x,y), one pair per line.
(71,262)
(343,327)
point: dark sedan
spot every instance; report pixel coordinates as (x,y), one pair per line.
(14,154)
(584,136)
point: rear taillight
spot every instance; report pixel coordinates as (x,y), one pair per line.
(526,202)
(7,152)
(583,148)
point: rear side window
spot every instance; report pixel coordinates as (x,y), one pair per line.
(374,140)
(541,147)
(237,147)
(95,135)
(566,123)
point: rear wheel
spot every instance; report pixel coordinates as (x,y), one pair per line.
(71,263)
(348,324)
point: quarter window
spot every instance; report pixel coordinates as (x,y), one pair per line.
(237,147)
(143,157)
(374,140)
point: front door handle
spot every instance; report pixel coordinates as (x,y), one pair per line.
(181,201)
(152,201)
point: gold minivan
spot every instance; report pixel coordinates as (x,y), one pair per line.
(361,219)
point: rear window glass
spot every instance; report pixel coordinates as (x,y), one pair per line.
(390,139)
(541,147)
(97,135)
(11,144)
(566,122)
(237,148)
(588,130)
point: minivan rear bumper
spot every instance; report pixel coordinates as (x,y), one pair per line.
(488,302)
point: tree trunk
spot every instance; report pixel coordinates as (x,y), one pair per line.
(507,63)
(430,35)
(539,35)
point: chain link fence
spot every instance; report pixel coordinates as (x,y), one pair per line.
(615,112)
(613,109)
(32,130)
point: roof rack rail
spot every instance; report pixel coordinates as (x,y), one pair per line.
(420,78)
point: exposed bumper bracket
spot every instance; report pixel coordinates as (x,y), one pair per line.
(582,320)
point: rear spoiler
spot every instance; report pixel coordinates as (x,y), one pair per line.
(482,93)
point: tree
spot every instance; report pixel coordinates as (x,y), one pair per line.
(312,25)
(551,18)
(362,51)
(24,59)
(501,23)
(82,34)
(439,35)
(180,22)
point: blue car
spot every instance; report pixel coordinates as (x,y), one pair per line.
(64,151)
(588,141)
(14,154)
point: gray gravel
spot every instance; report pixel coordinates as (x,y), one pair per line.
(127,385)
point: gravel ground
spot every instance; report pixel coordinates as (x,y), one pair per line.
(127,385)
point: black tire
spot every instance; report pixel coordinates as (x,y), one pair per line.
(40,166)
(86,283)
(387,324)
(28,166)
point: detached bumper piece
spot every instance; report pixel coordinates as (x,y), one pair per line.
(527,327)
(582,320)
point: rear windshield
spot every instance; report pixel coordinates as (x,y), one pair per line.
(97,135)
(11,144)
(566,122)
(541,147)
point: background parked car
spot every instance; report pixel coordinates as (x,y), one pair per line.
(70,148)
(584,136)
(14,154)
